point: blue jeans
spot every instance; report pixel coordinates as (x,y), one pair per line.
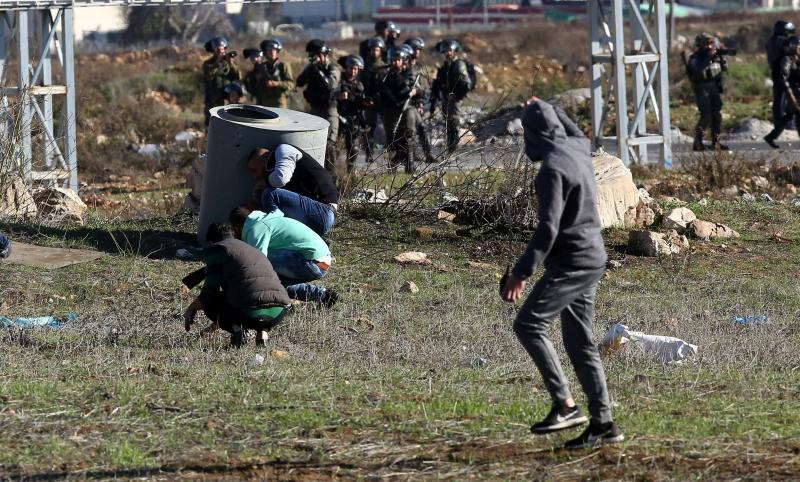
(314,214)
(295,271)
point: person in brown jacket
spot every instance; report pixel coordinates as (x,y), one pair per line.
(241,290)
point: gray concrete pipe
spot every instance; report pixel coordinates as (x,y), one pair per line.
(234,131)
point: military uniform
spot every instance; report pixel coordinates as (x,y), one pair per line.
(216,75)
(788,77)
(353,123)
(705,72)
(451,86)
(277,71)
(416,71)
(321,83)
(775,49)
(375,70)
(395,91)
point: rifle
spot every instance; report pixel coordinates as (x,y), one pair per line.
(405,106)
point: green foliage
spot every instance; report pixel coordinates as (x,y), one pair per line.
(745,79)
(185,86)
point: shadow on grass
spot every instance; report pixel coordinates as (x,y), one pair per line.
(155,242)
(265,469)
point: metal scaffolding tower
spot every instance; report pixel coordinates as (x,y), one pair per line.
(37,109)
(636,62)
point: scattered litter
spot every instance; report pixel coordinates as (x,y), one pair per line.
(188,136)
(279,354)
(371,196)
(448,198)
(766,198)
(750,320)
(475,362)
(148,150)
(748,198)
(409,287)
(258,359)
(38,321)
(412,257)
(613,264)
(664,349)
(184,254)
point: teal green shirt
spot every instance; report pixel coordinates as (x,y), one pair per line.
(276,231)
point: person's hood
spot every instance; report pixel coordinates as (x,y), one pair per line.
(543,130)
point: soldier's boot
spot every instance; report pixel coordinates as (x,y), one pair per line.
(452,138)
(770,140)
(716,128)
(425,142)
(697,145)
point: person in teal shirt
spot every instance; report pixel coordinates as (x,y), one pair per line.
(297,253)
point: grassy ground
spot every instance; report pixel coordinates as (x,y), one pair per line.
(384,385)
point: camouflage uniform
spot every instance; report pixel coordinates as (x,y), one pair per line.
(705,72)
(216,75)
(272,96)
(395,91)
(353,124)
(321,83)
(451,85)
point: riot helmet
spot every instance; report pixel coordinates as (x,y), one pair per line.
(783,27)
(393,29)
(791,44)
(447,45)
(354,61)
(409,51)
(317,46)
(216,42)
(376,42)
(398,53)
(416,43)
(272,43)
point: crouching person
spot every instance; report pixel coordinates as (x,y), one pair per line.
(241,290)
(296,252)
(568,243)
(294,182)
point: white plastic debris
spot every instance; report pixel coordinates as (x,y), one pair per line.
(258,359)
(371,196)
(664,349)
(188,136)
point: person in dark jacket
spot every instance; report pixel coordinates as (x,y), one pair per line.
(294,182)
(321,80)
(241,290)
(218,71)
(451,86)
(375,70)
(776,49)
(385,31)
(568,243)
(397,91)
(786,77)
(705,69)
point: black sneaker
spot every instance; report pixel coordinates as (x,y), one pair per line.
(329,298)
(595,435)
(559,418)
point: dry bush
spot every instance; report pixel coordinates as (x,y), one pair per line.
(719,169)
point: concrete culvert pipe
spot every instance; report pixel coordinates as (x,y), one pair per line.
(234,131)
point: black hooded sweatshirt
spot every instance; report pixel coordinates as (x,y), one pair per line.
(568,234)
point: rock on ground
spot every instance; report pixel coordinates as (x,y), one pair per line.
(572,101)
(678,219)
(641,216)
(412,257)
(616,192)
(60,204)
(756,129)
(16,200)
(708,230)
(409,287)
(651,244)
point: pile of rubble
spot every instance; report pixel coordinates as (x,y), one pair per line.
(53,204)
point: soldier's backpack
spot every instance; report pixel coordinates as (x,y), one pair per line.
(464,88)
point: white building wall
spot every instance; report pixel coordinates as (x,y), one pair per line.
(98,19)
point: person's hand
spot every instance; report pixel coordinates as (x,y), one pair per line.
(412,93)
(272,83)
(531,100)
(343,95)
(191,311)
(513,289)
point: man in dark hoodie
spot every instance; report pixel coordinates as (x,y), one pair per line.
(567,241)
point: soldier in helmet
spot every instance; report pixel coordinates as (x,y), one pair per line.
(321,81)
(233,93)
(705,68)
(273,77)
(451,86)
(352,103)
(218,71)
(417,71)
(256,57)
(397,90)
(788,77)
(386,31)
(776,47)
(375,69)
